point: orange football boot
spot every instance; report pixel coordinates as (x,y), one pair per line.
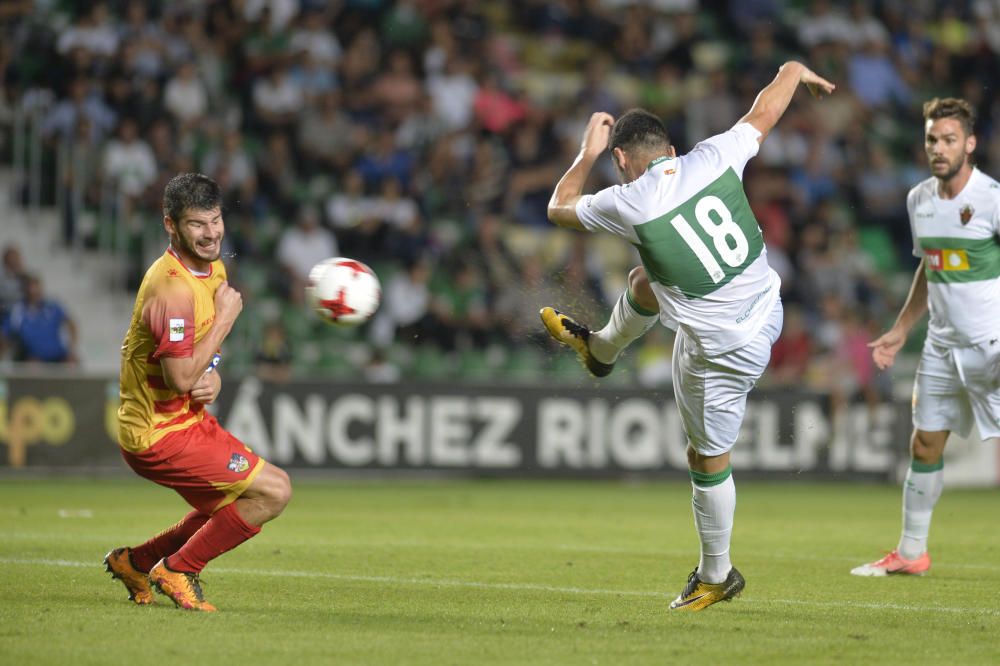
(119,565)
(184,589)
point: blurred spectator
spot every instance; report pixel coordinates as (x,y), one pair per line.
(873,75)
(129,161)
(278,174)
(883,196)
(713,111)
(144,37)
(458,303)
(518,303)
(185,96)
(303,246)
(233,168)
(278,99)
(315,39)
(397,90)
(864,28)
(495,109)
(533,171)
(12,278)
(92,32)
(380,370)
(791,354)
(384,159)
(404,314)
(273,357)
(327,137)
(823,22)
(80,173)
(39,329)
(453,92)
(280,14)
(62,120)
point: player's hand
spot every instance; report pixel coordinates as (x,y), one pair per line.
(817,85)
(884,348)
(595,137)
(207,388)
(228,303)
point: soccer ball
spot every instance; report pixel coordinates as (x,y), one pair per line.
(343,291)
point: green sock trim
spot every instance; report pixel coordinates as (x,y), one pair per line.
(707,480)
(924,468)
(638,308)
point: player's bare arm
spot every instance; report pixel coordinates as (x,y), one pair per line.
(885,348)
(562,205)
(772,101)
(207,388)
(181,374)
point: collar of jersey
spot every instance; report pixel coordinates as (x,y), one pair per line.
(202,276)
(661,158)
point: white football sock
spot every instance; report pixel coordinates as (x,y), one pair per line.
(627,323)
(714,509)
(921,491)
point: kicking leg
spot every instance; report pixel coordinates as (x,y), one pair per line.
(634,313)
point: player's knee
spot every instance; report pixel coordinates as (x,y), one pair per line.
(281,493)
(927,448)
(638,286)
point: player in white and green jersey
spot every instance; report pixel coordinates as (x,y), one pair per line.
(955,219)
(704,273)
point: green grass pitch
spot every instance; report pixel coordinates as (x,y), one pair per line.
(499,572)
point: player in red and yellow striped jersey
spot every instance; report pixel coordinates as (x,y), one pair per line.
(185,308)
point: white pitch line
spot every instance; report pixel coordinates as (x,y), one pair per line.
(533,587)
(107,537)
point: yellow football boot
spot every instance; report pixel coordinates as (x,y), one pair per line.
(698,595)
(565,331)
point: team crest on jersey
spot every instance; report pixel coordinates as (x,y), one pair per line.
(965,213)
(173,273)
(238,463)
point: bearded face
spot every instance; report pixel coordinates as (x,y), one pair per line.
(948,147)
(198,234)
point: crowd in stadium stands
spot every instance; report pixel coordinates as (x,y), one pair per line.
(425,137)
(33,328)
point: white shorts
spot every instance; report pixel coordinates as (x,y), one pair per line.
(711,392)
(956,386)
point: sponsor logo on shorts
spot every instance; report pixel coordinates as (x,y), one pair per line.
(238,463)
(176,330)
(947,260)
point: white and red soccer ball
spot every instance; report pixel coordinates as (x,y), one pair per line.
(343,291)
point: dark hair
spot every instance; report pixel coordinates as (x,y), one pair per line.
(952,107)
(190,190)
(638,128)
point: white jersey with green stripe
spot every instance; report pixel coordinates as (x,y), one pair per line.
(958,238)
(699,241)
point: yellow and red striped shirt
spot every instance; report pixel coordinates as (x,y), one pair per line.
(174,309)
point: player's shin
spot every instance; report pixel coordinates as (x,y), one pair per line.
(224,531)
(169,541)
(921,491)
(714,503)
(628,321)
